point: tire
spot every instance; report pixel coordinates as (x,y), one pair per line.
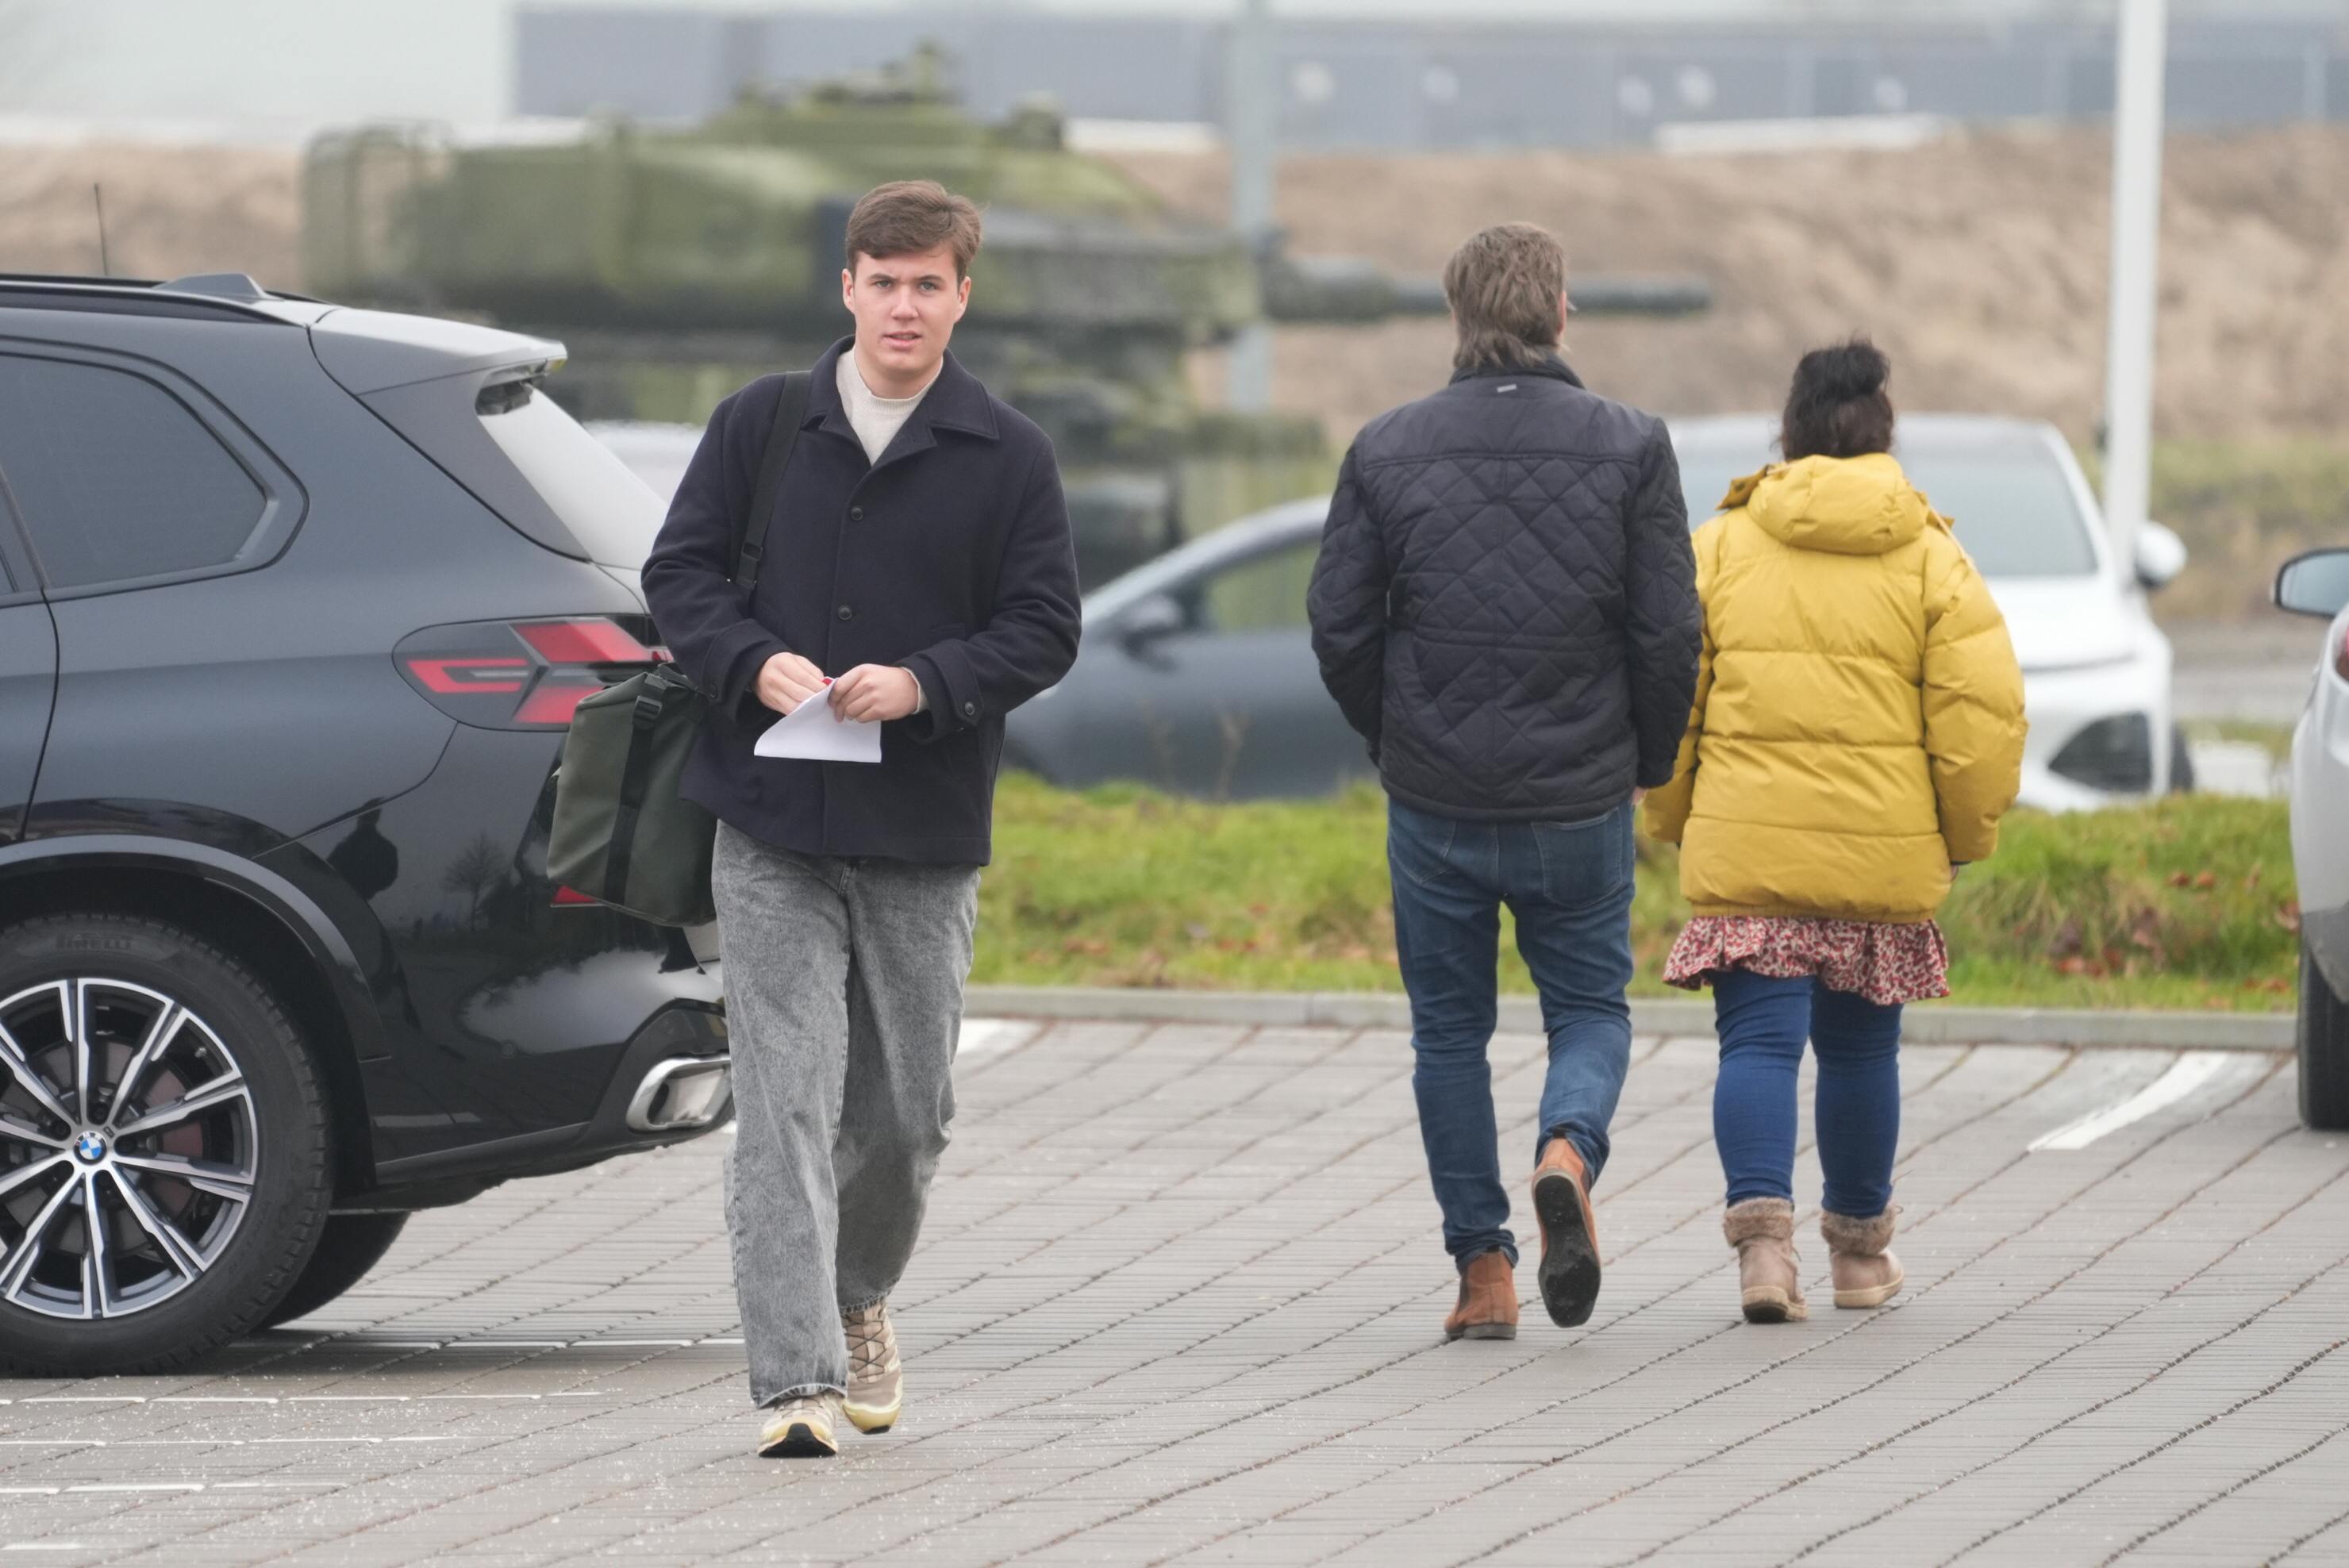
(197,1130)
(350,1246)
(2324,1041)
(2181,763)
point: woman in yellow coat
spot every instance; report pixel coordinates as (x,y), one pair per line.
(1858,734)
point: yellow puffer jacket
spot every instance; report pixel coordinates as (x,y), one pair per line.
(1859,720)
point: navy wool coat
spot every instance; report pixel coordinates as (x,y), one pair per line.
(950,556)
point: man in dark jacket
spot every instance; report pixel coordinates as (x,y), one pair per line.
(1505,608)
(917,575)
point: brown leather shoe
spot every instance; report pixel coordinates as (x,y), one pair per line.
(1769,1275)
(1487,1307)
(1569,1263)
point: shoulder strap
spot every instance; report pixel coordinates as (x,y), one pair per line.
(790,412)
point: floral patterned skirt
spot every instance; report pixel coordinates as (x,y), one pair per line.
(1885,963)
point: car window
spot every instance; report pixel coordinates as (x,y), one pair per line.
(2011,501)
(114,478)
(1262,594)
(614,514)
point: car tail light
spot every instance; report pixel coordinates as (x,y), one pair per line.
(524,675)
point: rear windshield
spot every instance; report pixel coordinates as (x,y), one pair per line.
(610,512)
(2011,501)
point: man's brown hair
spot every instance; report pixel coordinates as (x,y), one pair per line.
(1503,284)
(907,216)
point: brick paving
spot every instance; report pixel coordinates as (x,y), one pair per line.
(1180,1302)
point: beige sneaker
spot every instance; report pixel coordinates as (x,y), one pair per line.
(876,1379)
(802,1428)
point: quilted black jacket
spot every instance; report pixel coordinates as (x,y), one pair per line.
(1504,604)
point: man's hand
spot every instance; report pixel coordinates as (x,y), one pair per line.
(876,692)
(787,680)
(1637,795)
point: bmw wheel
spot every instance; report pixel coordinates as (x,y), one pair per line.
(164,1151)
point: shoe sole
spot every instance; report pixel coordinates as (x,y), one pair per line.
(872,1421)
(1874,1295)
(1483,1331)
(800,1442)
(1764,1304)
(1570,1265)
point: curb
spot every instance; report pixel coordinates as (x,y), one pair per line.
(1921,1025)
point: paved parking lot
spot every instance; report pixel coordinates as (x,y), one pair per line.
(1180,1300)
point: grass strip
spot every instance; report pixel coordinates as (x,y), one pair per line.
(2181,904)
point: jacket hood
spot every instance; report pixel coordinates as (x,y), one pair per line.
(1843,506)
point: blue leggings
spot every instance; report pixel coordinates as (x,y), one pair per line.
(1762,1021)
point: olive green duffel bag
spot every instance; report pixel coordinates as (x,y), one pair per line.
(623,835)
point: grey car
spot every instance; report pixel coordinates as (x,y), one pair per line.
(2318,584)
(1196,675)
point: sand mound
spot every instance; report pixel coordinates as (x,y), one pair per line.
(170,211)
(1978,262)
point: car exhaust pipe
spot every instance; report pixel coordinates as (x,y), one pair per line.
(681,1094)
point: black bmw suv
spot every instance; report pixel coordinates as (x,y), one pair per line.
(295,603)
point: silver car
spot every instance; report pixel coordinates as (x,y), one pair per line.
(2318,584)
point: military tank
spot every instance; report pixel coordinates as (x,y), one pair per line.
(678,263)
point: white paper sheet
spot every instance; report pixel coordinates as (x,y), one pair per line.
(810,731)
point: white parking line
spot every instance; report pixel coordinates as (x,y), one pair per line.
(632,1344)
(982,1035)
(2187,1074)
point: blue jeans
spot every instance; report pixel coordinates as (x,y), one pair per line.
(1569,886)
(1762,1021)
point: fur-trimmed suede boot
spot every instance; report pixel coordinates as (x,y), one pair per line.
(1769,1277)
(1865,1273)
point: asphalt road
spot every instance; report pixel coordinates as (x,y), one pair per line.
(1180,1301)
(2254,672)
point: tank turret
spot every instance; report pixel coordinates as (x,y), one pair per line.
(678,263)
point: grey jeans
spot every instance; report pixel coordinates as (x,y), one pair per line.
(843,997)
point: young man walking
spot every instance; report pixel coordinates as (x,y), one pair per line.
(918,572)
(1505,608)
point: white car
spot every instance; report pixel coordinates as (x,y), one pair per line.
(2096,669)
(2317,583)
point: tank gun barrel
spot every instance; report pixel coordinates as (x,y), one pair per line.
(1352,291)
(1664,296)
